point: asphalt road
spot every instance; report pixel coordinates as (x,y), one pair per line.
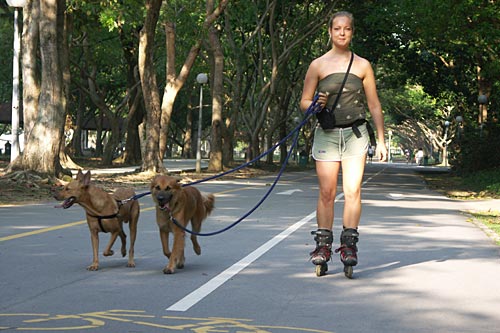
(423,266)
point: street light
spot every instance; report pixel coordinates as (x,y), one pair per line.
(445,150)
(459,119)
(201,78)
(389,150)
(14,152)
(482,100)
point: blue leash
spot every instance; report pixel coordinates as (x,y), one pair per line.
(313,109)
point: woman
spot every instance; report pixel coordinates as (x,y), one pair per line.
(345,145)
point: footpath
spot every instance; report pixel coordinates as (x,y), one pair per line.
(172,165)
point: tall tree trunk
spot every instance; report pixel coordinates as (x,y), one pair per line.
(30,66)
(215,163)
(152,160)
(135,117)
(41,152)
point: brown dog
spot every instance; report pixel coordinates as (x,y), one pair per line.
(105,213)
(184,204)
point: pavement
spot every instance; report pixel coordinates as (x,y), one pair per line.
(172,165)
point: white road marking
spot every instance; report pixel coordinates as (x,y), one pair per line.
(200,293)
(289,192)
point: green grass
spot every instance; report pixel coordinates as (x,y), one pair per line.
(485,183)
(491,220)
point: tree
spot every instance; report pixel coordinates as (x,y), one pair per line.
(44,107)
(152,158)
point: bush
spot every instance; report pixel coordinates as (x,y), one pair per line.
(476,150)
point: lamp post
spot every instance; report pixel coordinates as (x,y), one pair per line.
(14,152)
(389,150)
(459,119)
(482,100)
(201,78)
(445,150)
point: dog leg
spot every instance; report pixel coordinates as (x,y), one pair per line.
(196,228)
(177,256)
(164,243)
(123,238)
(108,251)
(95,250)
(133,234)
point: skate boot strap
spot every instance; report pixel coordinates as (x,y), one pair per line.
(323,251)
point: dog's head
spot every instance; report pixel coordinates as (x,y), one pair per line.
(163,190)
(72,191)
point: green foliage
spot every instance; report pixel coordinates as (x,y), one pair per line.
(486,182)
(475,150)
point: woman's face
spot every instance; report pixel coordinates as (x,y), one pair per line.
(341,31)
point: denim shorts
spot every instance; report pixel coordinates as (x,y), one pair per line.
(337,144)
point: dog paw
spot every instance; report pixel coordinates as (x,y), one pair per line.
(93,267)
(131,264)
(108,253)
(167,270)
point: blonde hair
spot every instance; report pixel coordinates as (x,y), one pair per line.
(340,14)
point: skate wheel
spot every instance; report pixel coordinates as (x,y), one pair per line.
(321,269)
(348,272)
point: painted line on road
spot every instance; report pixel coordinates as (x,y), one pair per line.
(41,231)
(196,296)
(200,293)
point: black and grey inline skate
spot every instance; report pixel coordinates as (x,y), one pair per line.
(323,252)
(348,250)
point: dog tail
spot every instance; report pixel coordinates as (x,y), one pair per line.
(209,203)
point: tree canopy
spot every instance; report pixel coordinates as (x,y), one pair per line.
(432,61)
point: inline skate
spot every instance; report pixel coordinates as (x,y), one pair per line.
(348,250)
(323,252)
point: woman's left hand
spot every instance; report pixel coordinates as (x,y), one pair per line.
(381,152)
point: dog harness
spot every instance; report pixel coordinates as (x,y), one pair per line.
(105,217)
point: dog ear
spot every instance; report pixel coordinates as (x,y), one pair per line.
(79,175)
(86,179)
(153,182)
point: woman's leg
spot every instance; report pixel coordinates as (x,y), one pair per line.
(327,173)
(352,176)
(327,177)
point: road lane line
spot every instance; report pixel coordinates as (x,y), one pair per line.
(41,231)
(187,302)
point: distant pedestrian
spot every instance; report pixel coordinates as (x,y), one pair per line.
(419,157)
(370,153)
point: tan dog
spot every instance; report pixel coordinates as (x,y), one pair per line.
(105,213)
(184,204)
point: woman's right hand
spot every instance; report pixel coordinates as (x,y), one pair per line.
(322,98)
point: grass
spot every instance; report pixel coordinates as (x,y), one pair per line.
(491,220)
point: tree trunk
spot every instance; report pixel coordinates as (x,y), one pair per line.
(135,117)
(152,160)
(30,66)
(215,163)
(42,146)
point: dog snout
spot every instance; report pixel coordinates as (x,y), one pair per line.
(163,197)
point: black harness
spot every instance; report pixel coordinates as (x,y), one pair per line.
(105,217)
